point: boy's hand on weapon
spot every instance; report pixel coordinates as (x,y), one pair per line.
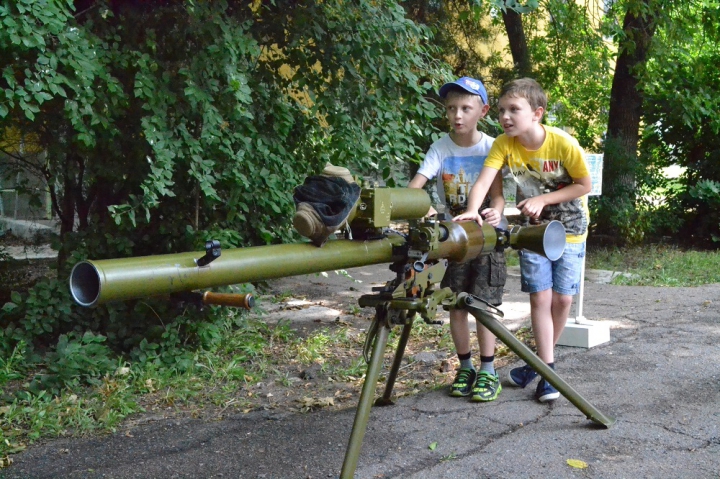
(532,207)
(469,216)
(492,216)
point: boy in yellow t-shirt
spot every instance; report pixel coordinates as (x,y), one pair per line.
(550,171)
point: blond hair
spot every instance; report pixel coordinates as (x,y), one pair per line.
(461,93)
(526,88)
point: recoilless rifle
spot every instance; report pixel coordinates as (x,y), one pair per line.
(418,257)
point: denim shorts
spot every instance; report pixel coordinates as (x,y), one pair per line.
(537,273)
(483,277)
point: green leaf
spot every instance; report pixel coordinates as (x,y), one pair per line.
(8,307)
(577,463)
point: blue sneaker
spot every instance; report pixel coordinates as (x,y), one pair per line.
(546,392)
(522,376)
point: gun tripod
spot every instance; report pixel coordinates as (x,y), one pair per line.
(397,304)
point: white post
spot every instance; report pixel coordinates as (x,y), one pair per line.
(579,318)
(582,332)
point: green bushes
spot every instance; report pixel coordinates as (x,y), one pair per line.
(706,197)
(76,360)
(165,126)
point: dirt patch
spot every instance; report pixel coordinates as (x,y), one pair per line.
(327,305)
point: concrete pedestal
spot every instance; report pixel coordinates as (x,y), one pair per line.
(583,333)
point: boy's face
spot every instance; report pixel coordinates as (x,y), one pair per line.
(464,111)
(517,116)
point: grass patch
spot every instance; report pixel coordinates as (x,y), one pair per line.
(657,265)
(253,366)
(650,265)
(511,257)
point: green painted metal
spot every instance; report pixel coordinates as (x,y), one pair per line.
(97,282)
(462,241)
(94,282)
(489,316)
(428,240)
(377,207)
(546,239)
(408,203)
(362,413)
(391,311)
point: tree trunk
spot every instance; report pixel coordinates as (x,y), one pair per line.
(518,42)
(623,131)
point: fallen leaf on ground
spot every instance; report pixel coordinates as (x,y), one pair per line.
(577,463)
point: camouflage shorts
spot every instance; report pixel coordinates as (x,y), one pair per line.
(483,277)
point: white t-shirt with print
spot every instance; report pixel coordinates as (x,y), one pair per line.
(456,169)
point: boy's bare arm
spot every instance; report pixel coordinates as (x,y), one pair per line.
(418,181)
(493,214)
(532,207)
(477,194)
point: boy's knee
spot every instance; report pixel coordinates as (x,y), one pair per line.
(562,300)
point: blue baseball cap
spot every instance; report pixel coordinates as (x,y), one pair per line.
(468,84)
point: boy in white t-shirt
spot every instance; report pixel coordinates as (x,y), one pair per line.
(456,160)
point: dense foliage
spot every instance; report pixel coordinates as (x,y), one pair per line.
(205,116)
(681,126)
(162,125)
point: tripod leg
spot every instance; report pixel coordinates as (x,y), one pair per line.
(490,321)
(397,362)
(352,454)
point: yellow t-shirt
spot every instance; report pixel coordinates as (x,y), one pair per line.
(547,169)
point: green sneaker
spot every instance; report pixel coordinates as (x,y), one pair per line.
(487,387)
(464,382)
